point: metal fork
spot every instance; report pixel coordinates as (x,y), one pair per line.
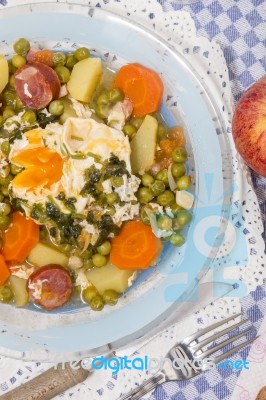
(188,359)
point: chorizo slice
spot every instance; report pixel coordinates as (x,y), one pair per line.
(50,286)
(36,85)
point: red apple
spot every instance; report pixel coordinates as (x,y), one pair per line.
(249,126)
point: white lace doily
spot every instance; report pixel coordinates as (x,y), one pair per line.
(178,29)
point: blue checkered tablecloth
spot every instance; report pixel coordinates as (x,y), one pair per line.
(239,26)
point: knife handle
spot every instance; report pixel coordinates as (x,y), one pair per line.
(49,384)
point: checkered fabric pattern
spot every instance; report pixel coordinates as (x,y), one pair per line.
(216,384)
(239,26)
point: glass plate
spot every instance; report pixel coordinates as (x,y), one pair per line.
(30,334)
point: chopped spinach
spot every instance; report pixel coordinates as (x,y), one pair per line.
(52,212)
(115,167)
(70,203)
(38,213)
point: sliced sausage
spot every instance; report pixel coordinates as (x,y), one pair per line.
(36,85)
(50,286)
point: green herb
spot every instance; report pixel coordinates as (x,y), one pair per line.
(115,167)
(73,137)
(61,196)
(52,212)
(70,203)
(38,212)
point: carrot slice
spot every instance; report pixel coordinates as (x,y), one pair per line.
(135,247)
(4,271)
(142,86)
(20,238)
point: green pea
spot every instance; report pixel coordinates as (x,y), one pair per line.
(6,181)
(163,176)
(179,155)
(4,221)
(158,187)
(63,73)
(29,117)
(117,181)
(70,61)
(5,191)
(102,98)
(11,81)
(18,61)
(178,170)
(5,209)
(176,225)
(89,293)
(136,122)
(5,171)
(176,208)
(15,169)
(11,68)
(145,195)
(110,210)
(110,297)
(105,248)
(97,303)
(184,182)
(161,131)
(115,95)
(147,180)
(85,255)
(65,248)
(82,53)
(177,239)
(102,110)
(144,217)
(99,260)
(111,198)
(129,130)
(19,105)
(59,59)
(8,113)
(166,198)
(88,264)
(21,46)
(56,107)
(10,98)
(183,217)
(164,222)
(1,120)
(6,294)
(113,123)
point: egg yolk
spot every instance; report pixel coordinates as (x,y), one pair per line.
(43,167)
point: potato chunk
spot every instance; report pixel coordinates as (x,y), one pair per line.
(19,289)
(84,79)
(3,72)
(42,254)
(109,277)
(143,145)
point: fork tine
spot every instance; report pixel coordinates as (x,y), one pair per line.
(219,346)
(234,350)
(202,332)
(210,339)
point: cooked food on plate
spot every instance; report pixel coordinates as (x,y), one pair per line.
(93,182)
